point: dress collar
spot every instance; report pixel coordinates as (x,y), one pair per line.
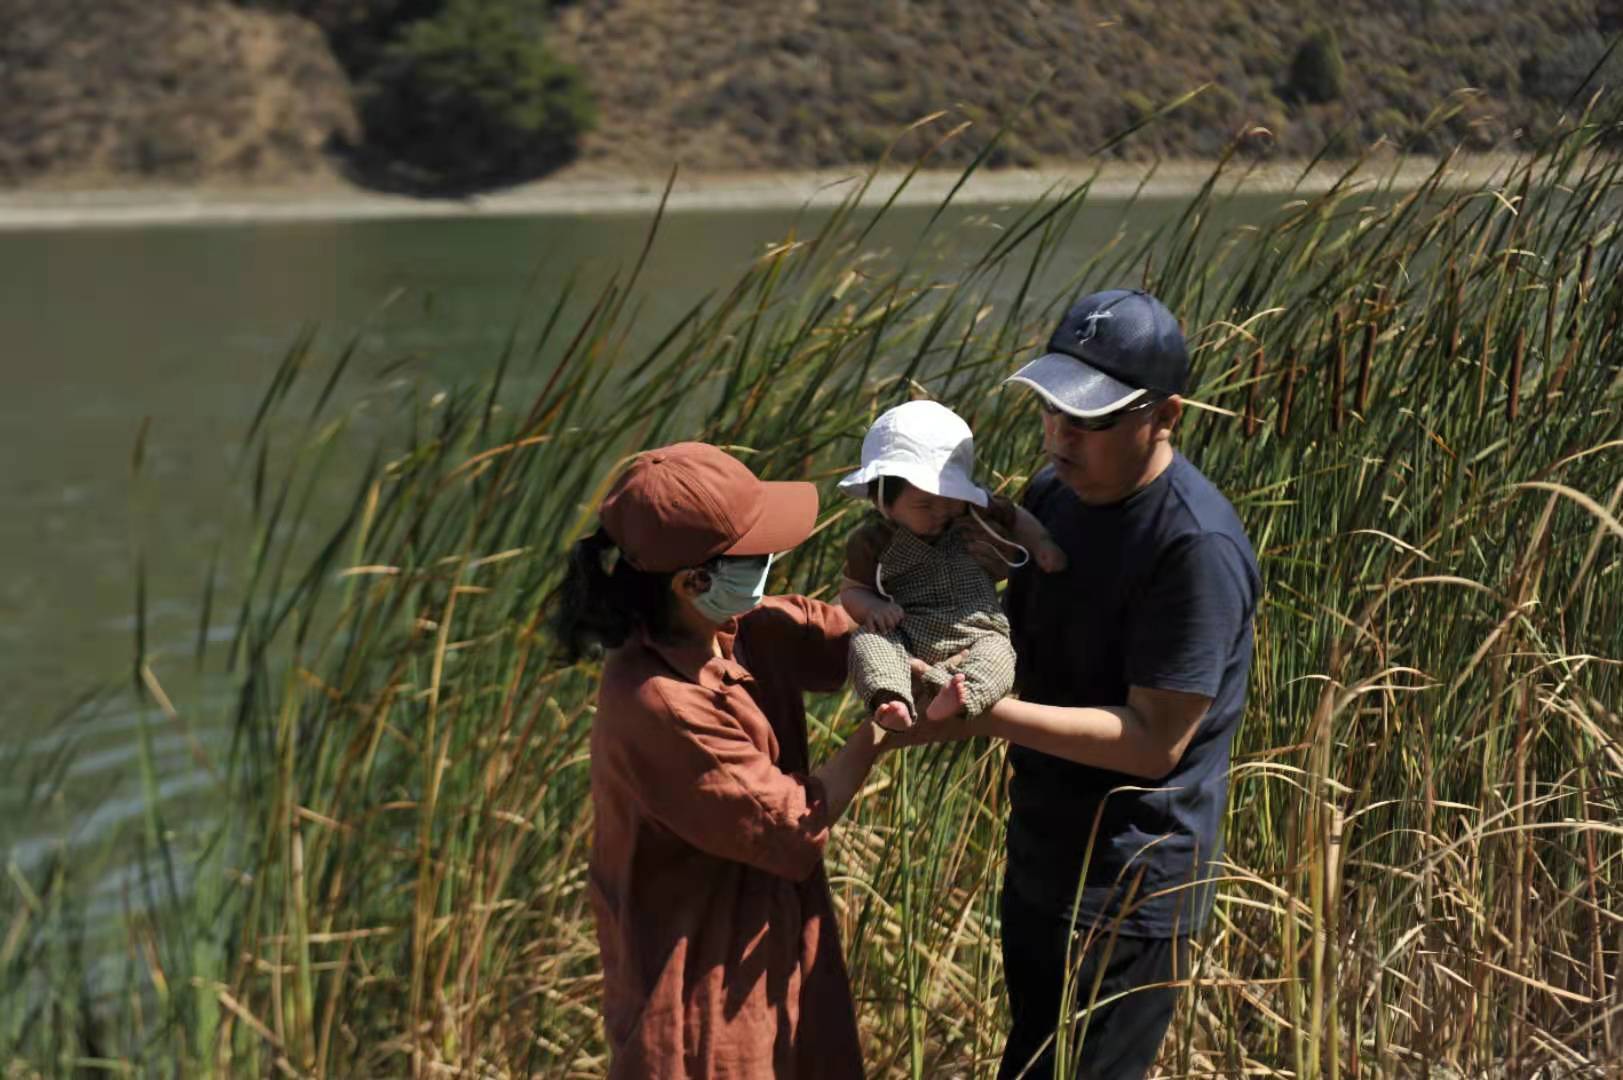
(696,664)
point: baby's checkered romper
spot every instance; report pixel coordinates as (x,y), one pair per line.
(951,605)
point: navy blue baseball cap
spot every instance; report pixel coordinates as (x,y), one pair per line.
(1111,349)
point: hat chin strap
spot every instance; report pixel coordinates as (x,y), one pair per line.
(1025,556)
(879,571)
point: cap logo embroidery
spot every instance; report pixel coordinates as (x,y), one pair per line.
(1085,334)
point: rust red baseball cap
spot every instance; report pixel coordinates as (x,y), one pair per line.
(682,505)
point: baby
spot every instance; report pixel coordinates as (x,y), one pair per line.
(921,572)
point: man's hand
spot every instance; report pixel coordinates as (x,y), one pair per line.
(1050,557)
(927,730)
(1030,534)
(926,733)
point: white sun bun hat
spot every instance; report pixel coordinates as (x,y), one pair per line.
(924,443)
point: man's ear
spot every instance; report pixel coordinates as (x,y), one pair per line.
(1167,415)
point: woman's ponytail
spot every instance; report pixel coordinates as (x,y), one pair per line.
(604,599)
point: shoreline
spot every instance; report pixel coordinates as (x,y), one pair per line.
(594,191)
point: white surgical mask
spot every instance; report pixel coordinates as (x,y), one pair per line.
(737,584)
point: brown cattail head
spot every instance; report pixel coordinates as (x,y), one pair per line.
(1338,372)
(1365,357)
(1516,375)
(1458,291)
(1287,392)
(1550,313)
(1559,376)
(1252,421)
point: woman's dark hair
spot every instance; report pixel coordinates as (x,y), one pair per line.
(599,608)
(889,486)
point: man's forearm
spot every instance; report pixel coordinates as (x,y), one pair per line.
(1110,737)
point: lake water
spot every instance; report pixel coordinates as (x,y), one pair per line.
(177,329)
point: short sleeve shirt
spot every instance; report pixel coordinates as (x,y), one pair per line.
(1160,592)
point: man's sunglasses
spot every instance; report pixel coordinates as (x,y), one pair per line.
(1105,422)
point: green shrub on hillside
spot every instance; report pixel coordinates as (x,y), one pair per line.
(1317,73)
(357,30)
(472,98)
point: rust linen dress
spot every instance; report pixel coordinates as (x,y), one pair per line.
(720,952)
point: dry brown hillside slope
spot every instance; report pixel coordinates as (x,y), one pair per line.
(114,92)
(171,91)
(721,85)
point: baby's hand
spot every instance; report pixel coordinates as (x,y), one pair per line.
(1051,557)
(884,618)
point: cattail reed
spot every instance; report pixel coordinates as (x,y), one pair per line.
(1366,356)
(1338,378)
(1252,420)
(1552,299)
(1456,316)
(393,879)
(1559,375)
(1516,359)
(1287,393)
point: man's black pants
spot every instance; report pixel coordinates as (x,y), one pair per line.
(1123,1036)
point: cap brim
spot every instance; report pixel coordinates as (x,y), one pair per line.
(788,516)
(1074,387)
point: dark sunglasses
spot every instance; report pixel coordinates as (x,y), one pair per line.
(1105,422)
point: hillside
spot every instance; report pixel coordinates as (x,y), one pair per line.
(823,82)
(199,92)
(110,92)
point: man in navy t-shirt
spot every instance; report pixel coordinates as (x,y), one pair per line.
(1132,676)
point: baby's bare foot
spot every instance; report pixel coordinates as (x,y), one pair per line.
(893,716)
(948,701)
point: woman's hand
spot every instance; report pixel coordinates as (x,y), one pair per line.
(928,732)
(884,618)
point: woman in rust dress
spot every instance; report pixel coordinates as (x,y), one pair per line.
(720,953)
